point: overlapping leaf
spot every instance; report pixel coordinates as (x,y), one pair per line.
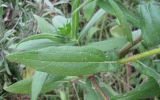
(39,41)
(150,21)
(146,90)
(110,44)
(44,26)
(90,24)
(130,16)
(38,81)
(24,86)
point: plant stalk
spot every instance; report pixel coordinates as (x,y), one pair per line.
(140,56)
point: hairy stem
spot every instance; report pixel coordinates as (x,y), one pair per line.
(140,56)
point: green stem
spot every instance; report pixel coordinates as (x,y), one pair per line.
(81,6)
(139,56)
(75,18)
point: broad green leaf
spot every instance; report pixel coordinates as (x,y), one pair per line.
(91,23)
(109,45)
(122,19)
(44,26)
(146,90)
(89,9)
(38,81)
(63,60)
(130,16)
(150,21)
(24,86)
(104,4)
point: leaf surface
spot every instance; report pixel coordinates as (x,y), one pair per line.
(44,26)
(146,90)
(150,21)
(24,86)
(63,60)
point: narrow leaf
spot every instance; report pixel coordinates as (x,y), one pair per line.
(89,9)
(130,16)
(147,71)
(121,17)
(35,44)
(75,18)
(91,23)
(24,86)
(42,36)
(147,90)
(38,81)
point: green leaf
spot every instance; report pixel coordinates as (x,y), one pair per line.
(63,95)
(82,5)
(146,90)
(89,9)
(51,37)
(109,45)
(150,21)
(24,86)
(64,60)
(39,41)
(91,32)
(117,30)
(35,44)
(89,92)
(107,89)
(75,18)
(91,23)
(147,71)
(122,19)
(38,81)
(130,16)
(44,26)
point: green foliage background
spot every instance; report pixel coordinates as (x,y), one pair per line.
(80,49)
